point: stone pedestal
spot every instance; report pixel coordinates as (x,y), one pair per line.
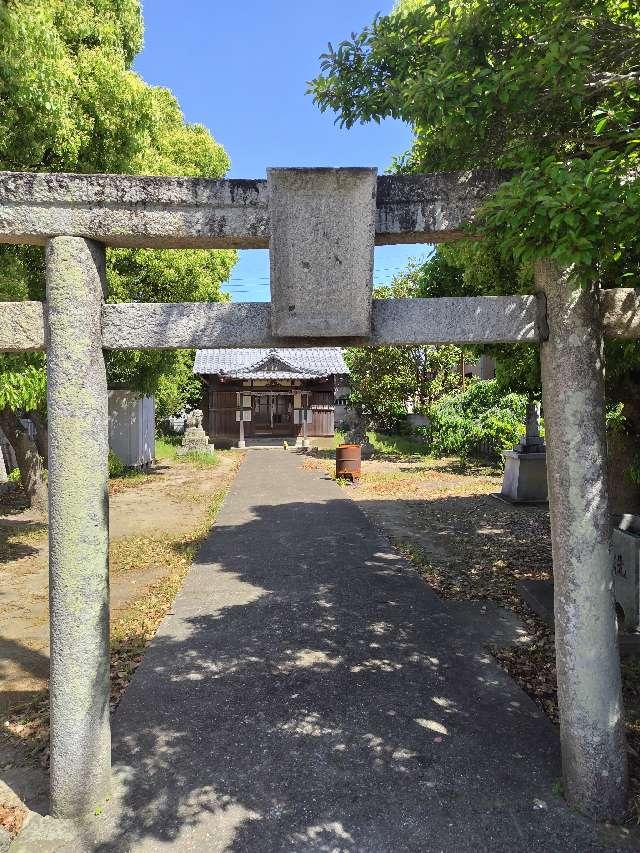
(525,477)
(525,467)
(195,439)
(359,436)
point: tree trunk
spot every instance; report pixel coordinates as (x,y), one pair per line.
(28,458)
(42,438)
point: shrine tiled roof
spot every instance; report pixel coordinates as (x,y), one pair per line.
(276,363)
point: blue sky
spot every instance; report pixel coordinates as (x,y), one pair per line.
(242,70)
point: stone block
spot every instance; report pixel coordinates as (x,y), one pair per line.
(538,595)
(195,439)
(625,546)
(321,251)
(525,477)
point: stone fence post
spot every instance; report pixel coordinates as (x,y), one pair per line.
(78,528)
(589,688)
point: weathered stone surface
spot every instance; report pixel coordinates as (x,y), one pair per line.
(481,319)
(21,326)
(621,312)
(525,477)
(626,569)
(432,208)
(525,467)
(195,439)
(156,325)
(589,692)
(485,319)
(78,529)
(48,835)
(321,251)
(123,210)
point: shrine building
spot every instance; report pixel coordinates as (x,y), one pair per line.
(254,394)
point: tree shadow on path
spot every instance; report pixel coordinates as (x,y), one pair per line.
(309,692)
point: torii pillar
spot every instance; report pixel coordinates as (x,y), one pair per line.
(589,684)
(78,528)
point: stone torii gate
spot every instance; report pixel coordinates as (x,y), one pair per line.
(320,225)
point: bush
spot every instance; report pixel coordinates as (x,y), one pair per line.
(117,468)
(481,415)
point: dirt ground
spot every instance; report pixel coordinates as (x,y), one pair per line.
(171,499)
(448,512)
(469,542)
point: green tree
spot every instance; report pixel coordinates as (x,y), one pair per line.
(70,101)
(386,380)
(550,89)
(479,415)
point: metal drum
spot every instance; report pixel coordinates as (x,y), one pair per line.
(348,461)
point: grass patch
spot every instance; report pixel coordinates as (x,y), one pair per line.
(136,627)
(167,449)
(122,476)
(397,446)
(200,460)
(392,447)
(129,479)
(166,446)
(132,631)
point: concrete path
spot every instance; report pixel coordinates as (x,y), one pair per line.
(309,692)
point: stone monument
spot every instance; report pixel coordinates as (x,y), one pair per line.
(358,435)
(525,467)
(195,439)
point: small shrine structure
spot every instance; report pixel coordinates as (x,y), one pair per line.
(278,393)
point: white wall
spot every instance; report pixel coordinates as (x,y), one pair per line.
(132,427)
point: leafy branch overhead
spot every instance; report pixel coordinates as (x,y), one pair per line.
(70,101)
(551,88)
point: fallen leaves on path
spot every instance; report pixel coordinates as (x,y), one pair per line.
(467,544)
(12,818)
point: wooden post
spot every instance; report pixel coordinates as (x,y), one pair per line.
(589,688)
(78,528)
(305,440)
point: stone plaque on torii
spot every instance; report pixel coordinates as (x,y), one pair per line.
(322,226)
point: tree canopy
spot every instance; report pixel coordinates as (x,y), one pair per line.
(70,101)
(385,380)
(550,88)
(547,88)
